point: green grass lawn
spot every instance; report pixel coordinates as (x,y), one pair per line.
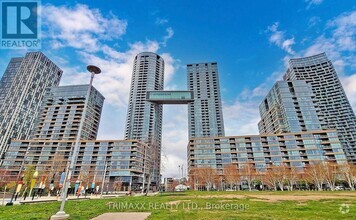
(198,205)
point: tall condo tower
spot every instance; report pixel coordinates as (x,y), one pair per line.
(336,110)
(205,113)
(144,119)
(8,77)
(289,107)
(24,84)
(61,112)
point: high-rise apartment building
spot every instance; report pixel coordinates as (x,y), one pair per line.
(336,110)
(289,107)
(144,119)
(205,113)
(8,77)
(24,89)
(61,112)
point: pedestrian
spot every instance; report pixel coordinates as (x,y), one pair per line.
(58,193)
(82,189)
(25,195)
(97,190)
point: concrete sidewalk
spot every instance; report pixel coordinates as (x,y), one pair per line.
(54,199)
(43,199)
(123,216)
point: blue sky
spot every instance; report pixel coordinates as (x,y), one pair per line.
(251,41)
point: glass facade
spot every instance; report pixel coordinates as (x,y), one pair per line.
(8,77)
(335,109)
(62,110)
(261,151)
(125,159)
(289,107)
(205,115)
(22,89)
(144,119)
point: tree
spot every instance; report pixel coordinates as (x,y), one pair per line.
(191,180)
(204,176)
(84,176)
(208,176)
(280,172)
(330,172)
(276,176)
(292,176)
(348,173)
(195,178)
(56,165)
(173,185)
(248,174)
(118,184)
(260,178)
(4,178)
(11,186)
(231,175)
(270,178)
(315,174)
(218,182)
(28,174)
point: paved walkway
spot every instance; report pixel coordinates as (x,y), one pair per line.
(123,216)
(71,197)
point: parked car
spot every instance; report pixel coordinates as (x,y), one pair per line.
(339,188)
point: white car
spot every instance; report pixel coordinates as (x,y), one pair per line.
(339,188)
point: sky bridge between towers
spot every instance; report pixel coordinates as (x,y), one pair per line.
(170,97)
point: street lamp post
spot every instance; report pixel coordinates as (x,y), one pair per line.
(178,171)
(144,170)
(103,181)
(182,171)
(61,213)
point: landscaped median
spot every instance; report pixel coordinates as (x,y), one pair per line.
(204,205)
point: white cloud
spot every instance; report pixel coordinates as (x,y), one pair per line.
(278,38)
(313,2)
(313,21)
(161,21)
(174,139)
(349,84)
(242,116)
(169,35)
(114,82)
(344,30)
(340,44)
(80,27)
(83,28)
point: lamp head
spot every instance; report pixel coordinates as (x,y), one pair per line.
(93,69)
